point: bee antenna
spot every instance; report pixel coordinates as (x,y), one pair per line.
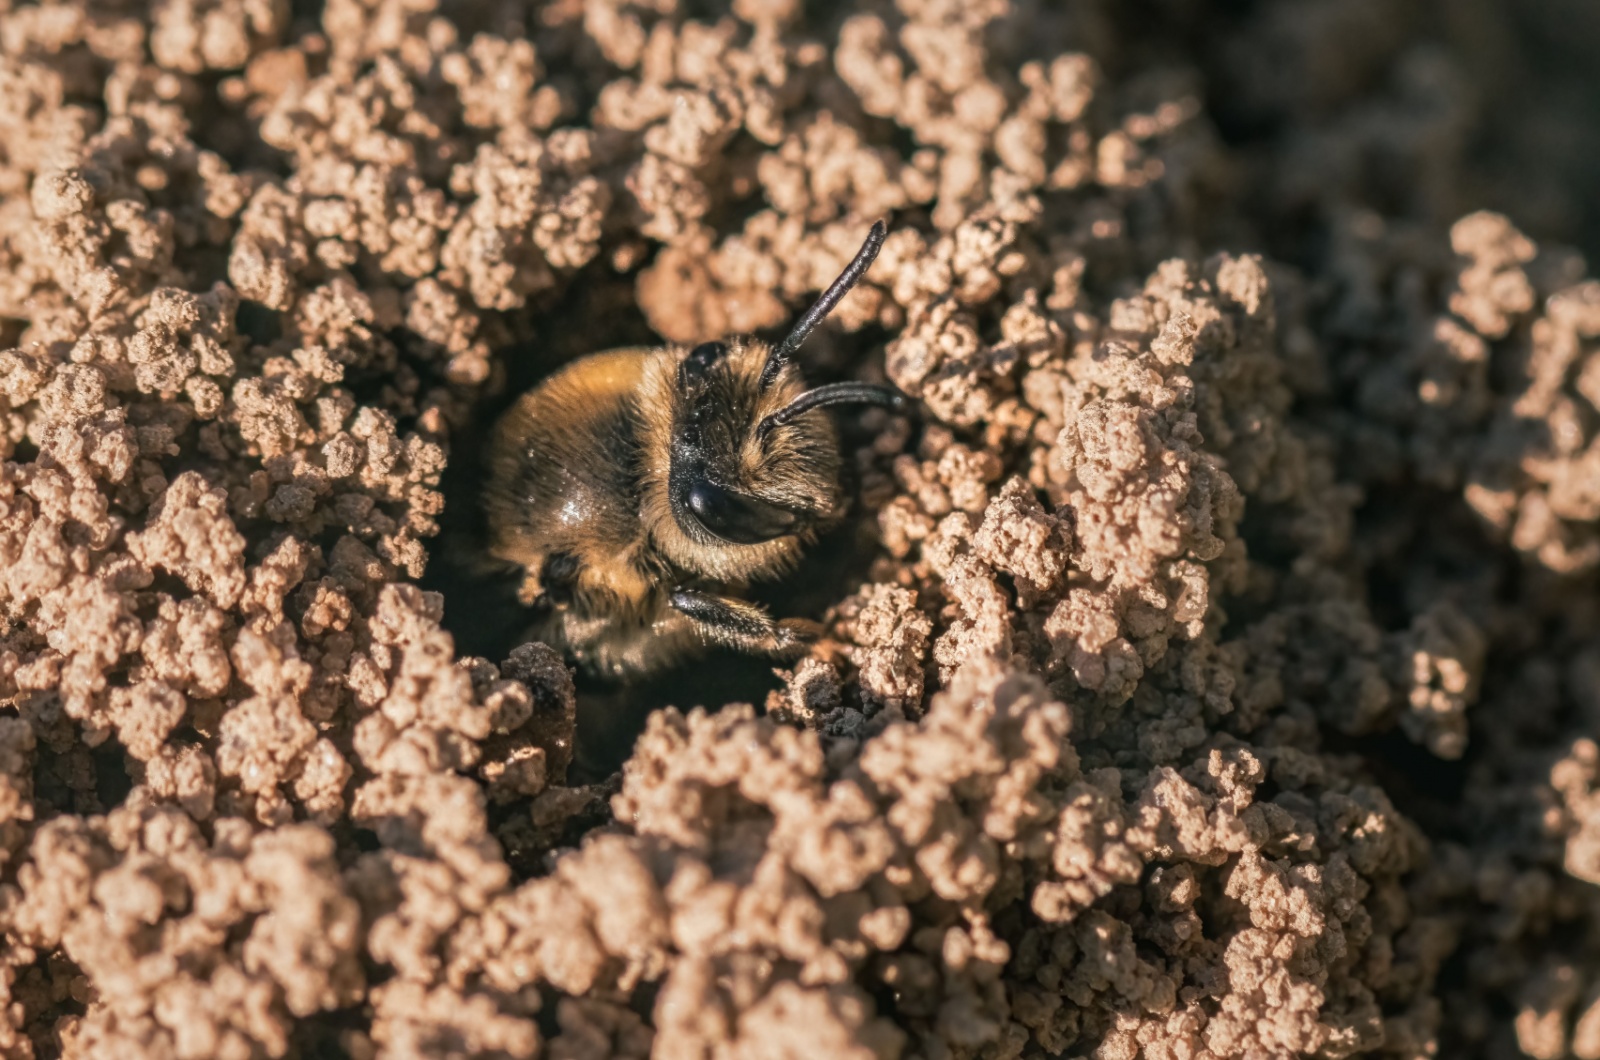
(834,394)
(780,354)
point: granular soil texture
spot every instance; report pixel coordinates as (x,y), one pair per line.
(1213,659)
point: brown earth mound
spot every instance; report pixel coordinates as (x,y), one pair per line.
(1213,665)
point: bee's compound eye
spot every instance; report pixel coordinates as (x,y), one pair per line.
(738,518)
(700,361)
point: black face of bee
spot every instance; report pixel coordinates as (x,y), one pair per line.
(701,499)
(711,495)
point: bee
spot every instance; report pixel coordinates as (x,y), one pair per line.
(641,490)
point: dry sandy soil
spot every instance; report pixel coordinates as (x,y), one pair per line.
(1213,665)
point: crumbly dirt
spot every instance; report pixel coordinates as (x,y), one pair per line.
(1217,670)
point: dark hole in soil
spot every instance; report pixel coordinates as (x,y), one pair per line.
(325,1035)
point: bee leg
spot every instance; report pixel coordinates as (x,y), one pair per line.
(743,626)
(800,630)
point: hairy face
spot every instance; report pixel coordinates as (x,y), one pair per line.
(737,476)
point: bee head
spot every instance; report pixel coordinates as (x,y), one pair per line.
(753,456)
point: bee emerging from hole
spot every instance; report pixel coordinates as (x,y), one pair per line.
(640,489)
